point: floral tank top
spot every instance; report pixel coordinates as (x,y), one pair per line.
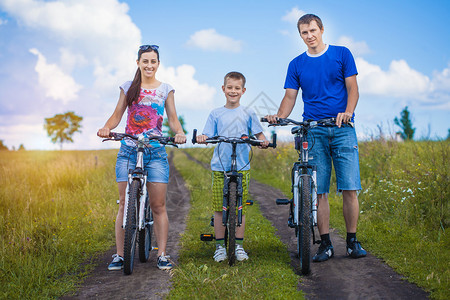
(146,116)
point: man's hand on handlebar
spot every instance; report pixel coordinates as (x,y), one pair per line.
(272,119)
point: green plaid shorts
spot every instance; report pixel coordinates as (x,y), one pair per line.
(217,189)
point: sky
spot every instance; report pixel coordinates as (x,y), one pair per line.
(72,55)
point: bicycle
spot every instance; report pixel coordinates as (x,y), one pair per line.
(232,191)
(303,205)
(138,217)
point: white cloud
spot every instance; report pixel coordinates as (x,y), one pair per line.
(211,40)
(357,48)
(189,93)
(57,84)
(293,15)
(3,22)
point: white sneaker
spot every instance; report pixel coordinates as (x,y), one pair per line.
(220,254)
(240,253)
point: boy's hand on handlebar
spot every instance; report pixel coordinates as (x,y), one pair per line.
(104,132)
(180,138)
(264,144)
(201,139)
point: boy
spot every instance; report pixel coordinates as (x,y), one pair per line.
(231,120)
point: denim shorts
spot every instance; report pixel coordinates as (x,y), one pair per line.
(340,147)
(155,163)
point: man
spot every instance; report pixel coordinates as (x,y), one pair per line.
(326,75)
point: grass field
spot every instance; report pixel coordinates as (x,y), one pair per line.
(57,211)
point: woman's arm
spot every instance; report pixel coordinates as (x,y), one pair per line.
(172,118)
(114,120)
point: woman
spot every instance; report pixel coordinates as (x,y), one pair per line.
(146,98)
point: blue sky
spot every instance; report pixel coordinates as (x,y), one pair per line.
(58,56)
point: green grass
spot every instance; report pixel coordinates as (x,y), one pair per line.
(267,274)
(404,205)
(57,211)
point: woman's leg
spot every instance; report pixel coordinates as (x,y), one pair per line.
(157,195)
(120,232)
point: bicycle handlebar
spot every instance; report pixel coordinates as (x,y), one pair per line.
(116,136)
(242,140)
(307,123)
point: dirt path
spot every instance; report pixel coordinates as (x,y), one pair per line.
(146,282)
(341,277)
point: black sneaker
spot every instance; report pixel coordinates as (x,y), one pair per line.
(324,253)
(354,249)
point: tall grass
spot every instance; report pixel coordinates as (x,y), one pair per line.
(56,210)
(404,205)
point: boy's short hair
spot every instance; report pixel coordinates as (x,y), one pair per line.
(307,19)
(234,75)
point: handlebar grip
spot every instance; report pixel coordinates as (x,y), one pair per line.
(274,141)
(194,137)
(264,120)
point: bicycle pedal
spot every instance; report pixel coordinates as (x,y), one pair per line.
(283,201)
(154,248)
(206,237)
(291,224)
(249,202)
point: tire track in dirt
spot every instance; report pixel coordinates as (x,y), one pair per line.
(340,277)
(146,281)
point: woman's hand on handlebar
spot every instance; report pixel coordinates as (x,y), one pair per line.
(104,132)
(180,138)
(201,139)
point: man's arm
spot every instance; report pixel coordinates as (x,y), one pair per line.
(353,96)
(286,106)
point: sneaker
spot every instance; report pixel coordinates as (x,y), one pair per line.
(355,250)
(240,253)
(220,254)
(117,263)
(324,252)
(163,262)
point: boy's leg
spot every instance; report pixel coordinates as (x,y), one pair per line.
(219,229)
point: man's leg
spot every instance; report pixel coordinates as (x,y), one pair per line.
(325,250)
(351,214)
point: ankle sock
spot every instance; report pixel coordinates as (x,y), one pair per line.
(325,238)
(240,241)
(351,235)
(220,242)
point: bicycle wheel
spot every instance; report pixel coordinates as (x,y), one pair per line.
(304,232)
(232,223)
(130,227)
(145,235)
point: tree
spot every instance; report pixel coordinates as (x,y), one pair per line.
(168,131)
(405,124)
(3,146)
(61,127)
(448,135)
(21,147)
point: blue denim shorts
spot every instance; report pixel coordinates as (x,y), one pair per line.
(155,163)
(340,147)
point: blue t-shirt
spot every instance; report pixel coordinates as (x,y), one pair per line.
(322,80)
(234,122)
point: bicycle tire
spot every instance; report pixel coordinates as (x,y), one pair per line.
(131,228)
(232,222)
(145,235)
(304,230)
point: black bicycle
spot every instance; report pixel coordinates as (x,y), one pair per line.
(232,190)
(303,205)
(138,217)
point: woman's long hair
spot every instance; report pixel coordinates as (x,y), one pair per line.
(135,89)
